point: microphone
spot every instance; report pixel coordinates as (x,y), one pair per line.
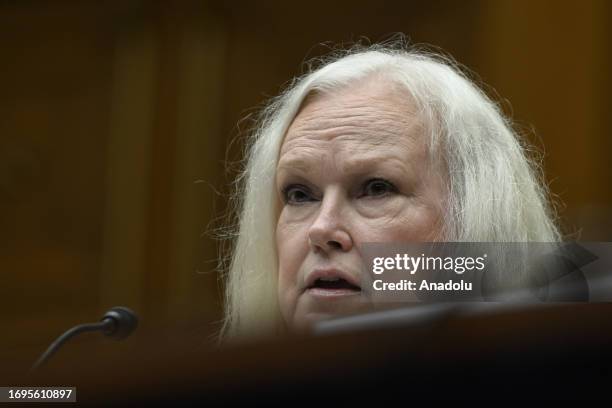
(118,323)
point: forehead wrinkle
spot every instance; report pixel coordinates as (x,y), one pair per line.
(362,163)
(349,156)
(308,150)
(308,144)
(372,125)
(299,157)
(330,122)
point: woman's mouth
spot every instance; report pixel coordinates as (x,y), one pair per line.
(332,287)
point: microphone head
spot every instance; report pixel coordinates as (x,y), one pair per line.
(124,322)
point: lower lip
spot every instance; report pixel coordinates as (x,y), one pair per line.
(332,293)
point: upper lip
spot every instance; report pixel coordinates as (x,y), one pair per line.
(319,273)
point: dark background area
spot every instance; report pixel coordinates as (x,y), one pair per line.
(116,120)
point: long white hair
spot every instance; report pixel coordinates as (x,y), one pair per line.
(495,191)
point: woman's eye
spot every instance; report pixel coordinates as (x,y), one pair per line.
(296,194)
(378,187)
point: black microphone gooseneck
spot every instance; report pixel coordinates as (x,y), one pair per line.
(118,323)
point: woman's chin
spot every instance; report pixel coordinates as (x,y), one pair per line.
(304,322)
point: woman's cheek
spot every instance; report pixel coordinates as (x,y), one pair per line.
(297,214)
(287,285)
(397,219)
(292,248)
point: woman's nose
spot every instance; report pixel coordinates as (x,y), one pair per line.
(329,230)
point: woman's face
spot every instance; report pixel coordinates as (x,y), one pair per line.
(353,168)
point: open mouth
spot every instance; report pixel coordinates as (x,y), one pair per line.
(334,285)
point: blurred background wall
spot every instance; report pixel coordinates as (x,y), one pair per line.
(116,119)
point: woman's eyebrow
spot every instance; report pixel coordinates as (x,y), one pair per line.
(360,164)
(353,165)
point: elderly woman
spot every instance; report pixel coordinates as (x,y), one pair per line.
(375,145)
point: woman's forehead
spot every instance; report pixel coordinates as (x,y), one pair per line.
(367,117)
